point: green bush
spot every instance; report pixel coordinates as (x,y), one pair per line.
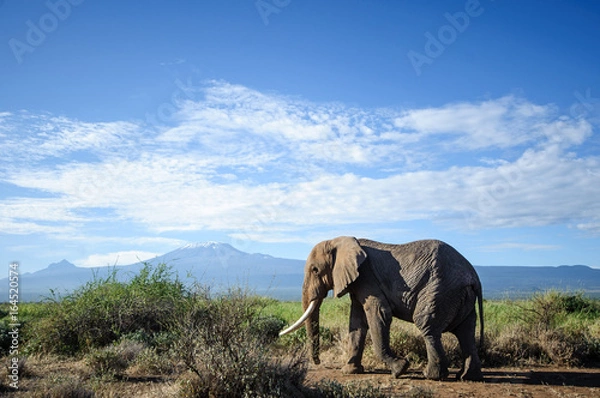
(225,341)
(5,338)
(105,309)
(550,328)
(554,308)
(152,362)
(29,314)
(106,362)
(579,304)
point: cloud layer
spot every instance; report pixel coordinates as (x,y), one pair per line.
(267,167)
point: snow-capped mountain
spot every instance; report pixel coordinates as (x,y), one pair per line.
(207,252)
(215,258)
(218,264)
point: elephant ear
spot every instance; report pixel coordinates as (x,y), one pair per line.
(348,257)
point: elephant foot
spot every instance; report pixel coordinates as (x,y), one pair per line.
(471,370)
(351,369)
(436,372)
(399,367)
(471,375)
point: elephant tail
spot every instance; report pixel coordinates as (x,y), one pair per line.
(480,301)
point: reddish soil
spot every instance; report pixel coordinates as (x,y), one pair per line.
(498,382)
(541,382)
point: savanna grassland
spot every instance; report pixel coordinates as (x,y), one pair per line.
(154,336)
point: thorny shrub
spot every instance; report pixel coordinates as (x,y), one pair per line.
(225,342)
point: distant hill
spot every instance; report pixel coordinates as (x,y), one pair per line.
(517,282)
(221,265)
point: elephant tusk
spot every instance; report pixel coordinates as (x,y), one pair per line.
(299,322)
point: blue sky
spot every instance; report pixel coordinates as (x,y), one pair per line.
(128,129)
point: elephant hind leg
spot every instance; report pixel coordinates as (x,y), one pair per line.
(437,363)
(429,325)
(465,333)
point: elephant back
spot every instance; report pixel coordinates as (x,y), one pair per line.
(420,263)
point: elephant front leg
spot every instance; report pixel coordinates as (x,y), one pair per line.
(357,334)
(379,318)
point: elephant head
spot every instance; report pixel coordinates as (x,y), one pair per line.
(332,264)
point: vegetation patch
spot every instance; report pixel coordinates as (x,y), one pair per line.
(226,342)
(105,309)
(203,344)
(550,328)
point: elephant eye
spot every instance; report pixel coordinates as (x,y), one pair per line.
(315,270)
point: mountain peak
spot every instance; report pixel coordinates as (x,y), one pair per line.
(205,245)
(61,264)
(210,248)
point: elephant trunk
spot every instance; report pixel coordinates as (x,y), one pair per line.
(312,327)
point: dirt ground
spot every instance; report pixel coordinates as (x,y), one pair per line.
(498,382)
(45,373)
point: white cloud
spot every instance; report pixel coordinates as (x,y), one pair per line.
(47,210)
(20,227)
(116,258)
(269,167)
(38,215)
(566,132)
(31,137)
(501,123)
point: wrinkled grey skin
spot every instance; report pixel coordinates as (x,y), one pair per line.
(426,282)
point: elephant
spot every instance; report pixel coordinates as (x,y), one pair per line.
(426,282)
